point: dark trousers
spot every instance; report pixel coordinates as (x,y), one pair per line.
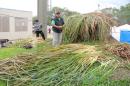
(38,33)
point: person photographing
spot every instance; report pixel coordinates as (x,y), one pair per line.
(57,25)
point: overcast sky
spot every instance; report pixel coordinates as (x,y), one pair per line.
(82,6)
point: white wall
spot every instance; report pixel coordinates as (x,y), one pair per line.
(12,35)
(116,31)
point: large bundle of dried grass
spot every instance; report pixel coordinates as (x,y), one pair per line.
(92,26)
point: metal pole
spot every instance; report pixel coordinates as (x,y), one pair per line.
(42,14)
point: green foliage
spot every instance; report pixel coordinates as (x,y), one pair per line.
(64,12)
(34,18)
(122,14)
(91,26)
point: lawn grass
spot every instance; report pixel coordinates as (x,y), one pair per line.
(2,83)
(10,52)
(6,53)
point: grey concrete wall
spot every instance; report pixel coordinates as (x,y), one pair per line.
(12,34)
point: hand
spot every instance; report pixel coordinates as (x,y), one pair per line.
(60,27)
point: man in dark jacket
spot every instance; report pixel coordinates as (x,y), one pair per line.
(57,24)
(38,29)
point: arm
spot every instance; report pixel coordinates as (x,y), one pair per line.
(58,27)
(41,26)
(55,26)
(34,27)
(63,22)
